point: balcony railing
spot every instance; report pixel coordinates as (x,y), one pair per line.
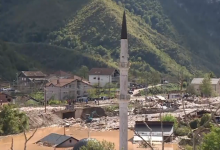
(124,64)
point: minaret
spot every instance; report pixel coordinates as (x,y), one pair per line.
(124,97)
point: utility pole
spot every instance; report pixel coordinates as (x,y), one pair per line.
(109,89)
(45,99)
(98,89)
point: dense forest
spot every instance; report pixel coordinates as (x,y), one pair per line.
(164,35)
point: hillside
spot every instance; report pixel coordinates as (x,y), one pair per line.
(11,62)
(163,34)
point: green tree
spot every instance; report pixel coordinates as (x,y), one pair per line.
(12,121)
(206,87)
(211,140)
(205,118)
(212,75)
(194,124)
(170,118)
(84,72)
(155,77)
(92,93)
(191,90)
(95,145)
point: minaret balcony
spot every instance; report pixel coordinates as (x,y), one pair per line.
(124,64)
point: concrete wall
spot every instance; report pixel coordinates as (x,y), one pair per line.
(74,89)
(69,143)
(103,79)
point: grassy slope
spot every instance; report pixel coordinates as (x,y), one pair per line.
(55,58)
(91,29)
(11,62)
(100,24)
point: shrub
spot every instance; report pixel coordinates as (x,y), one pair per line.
(12,121)
(182,131)
(112,108)
(211,140)
(171,118)
(188,147)
(204,119)
(194,124)
(55,102)
(95,145)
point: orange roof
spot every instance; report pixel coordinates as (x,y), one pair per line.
(60,82)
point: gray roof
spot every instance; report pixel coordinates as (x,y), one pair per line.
(155,128)
(199,80)
(55,139)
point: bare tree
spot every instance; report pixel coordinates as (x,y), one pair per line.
(161,122)
(145,142)
(12,143)
(27,139)
(195,132)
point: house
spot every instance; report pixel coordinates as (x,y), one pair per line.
(174,95)
(62,89)
(58,141)
(155,134)
(5,99)
(31,79)
(102,76)
(215,82)
(63,75)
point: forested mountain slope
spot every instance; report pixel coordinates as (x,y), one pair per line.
(163,34)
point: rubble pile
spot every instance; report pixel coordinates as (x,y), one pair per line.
(111,123)
(39,119)
(40,109)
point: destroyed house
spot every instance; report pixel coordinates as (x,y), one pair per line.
(31,79)
(154,132)
(58,141)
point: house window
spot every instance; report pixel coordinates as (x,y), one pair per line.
(70,141)
(69,86)
(94,78)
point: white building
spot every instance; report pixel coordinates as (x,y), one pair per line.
(63,89)
(215,82)
(155,134)
(102,76)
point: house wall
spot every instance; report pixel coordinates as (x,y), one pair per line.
(215,87)
(69,143)
(103,79)
(74,89)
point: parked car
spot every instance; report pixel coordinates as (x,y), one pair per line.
(130,92)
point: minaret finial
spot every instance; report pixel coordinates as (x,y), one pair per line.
(124,28)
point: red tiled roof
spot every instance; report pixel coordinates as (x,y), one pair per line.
(60,82)
(63,82)
(61,73)
(101,71)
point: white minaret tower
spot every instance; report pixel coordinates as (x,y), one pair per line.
(124,97)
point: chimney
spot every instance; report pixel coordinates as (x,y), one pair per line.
(58,81)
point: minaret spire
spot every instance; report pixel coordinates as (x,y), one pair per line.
(124,28)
